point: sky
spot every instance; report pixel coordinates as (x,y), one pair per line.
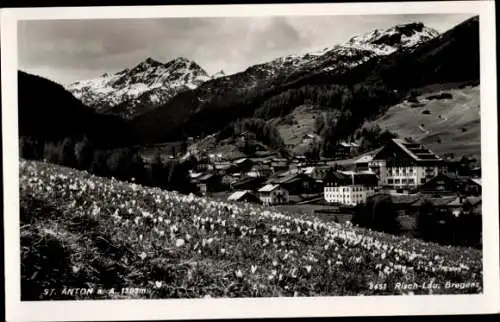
(69,50)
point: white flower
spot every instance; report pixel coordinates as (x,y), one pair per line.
(143,255)
(253,268)
(180,242)
(239,274)
(158,284)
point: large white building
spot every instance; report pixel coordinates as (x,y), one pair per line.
(349,188)
(405,165)
(272,194)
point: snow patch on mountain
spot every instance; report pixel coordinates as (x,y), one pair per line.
(385,42)
(126,87)
(151,84)
(358,49)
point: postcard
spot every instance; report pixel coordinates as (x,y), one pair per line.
(239,161)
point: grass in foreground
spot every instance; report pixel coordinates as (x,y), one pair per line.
(79,230)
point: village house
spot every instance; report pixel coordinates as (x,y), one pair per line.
(243,164)
(402,203)
(344,150)
(216,157)
(244,195)
(273,194)
(208,183)
(450,183)
(221,167)
(455,205)
(297,183)
(361,164)
(260,170)
(229,179)
(204,167)
(348,187)
(248,183)
(405,165)
(279,166)
(316,172)
(310,138)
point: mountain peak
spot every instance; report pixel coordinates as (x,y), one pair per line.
(180,62)
(149,83)
(145,64)
(220,73)
(402,35)
(151,61)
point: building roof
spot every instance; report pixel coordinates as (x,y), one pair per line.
(308,170)
(205,177)
(416,150)
(348,178)
(349,145)
(222,166)
(268,188)
(237,195)
(474,200)
(364,159)
(240,160)
(477,181)
(246,179)
(310,136)
(453,179)
(439,202)
(195,175)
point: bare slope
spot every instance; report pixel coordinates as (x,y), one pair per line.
(446,125)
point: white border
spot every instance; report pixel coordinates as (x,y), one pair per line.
(488,302)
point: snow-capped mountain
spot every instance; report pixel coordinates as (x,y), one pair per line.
(151,84)
(390,40)
(144,87)
(355,51)
(237,95)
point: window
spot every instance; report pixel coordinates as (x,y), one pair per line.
(397,181)
(390,181)
(422,180)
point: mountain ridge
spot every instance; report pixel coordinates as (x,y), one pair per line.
(236,95)
(133,91)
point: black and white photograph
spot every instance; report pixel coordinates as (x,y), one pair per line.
(251,154)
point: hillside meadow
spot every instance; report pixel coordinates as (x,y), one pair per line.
(79,230)
(445,125)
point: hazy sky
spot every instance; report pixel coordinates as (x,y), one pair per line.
(70,50)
